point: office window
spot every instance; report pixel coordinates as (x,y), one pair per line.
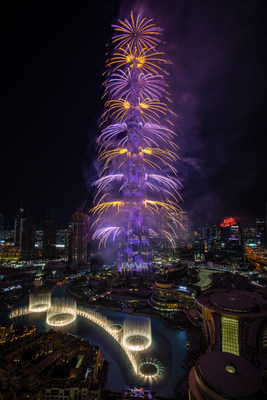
(230,335)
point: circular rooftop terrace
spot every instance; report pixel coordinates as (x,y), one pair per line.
(233,301)
(165,284)
(229,374)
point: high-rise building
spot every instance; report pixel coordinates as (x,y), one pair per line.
(137,151)
(210,234)
(260,231)
(17,227)
(182,226)
(199,249)
(232,244)
(68,244)
(27,239)
(49,239)
(178,225)
(79,239)
(234,321)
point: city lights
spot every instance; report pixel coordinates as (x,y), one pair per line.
(133,335)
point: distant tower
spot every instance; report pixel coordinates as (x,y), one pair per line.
(68,243)
(199,249)
(177,223)
(210,236)
(49,239)
(260,231)
(27,239)
(1,228)
(17,227)
(232,240)
(182,227)
(79,239)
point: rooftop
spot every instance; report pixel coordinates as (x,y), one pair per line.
(229,374)
(233,301)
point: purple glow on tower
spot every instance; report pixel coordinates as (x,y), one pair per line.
(136,189)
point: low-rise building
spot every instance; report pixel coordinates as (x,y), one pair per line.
(219,376)
(171,297)
(234,321)
(50,366)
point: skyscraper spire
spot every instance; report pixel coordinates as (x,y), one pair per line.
(137,153)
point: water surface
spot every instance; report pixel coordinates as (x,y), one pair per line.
(168,349)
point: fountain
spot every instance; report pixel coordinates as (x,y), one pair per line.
(134,335)
(62,312)
(137,333)
(39,301)
(150,369)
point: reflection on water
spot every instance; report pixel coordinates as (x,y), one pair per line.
(168,348)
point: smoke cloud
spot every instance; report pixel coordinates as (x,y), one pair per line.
(217,85)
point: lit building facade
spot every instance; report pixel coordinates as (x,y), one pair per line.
(232,244)
(170,297)
(17,227)
(25,378)
(199,249)
(260,232)
(137,391)
(79,239)
(234,321)
(9,253)
(27,239)
(179,224)
(210,235)
(137,152)
(182,228)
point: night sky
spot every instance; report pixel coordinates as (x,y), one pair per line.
(53,57)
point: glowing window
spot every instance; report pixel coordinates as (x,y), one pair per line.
(230,335)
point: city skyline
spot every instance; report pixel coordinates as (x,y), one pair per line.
(54,61)
(133,209)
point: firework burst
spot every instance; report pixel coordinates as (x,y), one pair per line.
(137,186)
(142,33)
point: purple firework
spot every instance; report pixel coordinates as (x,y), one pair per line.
(137,187)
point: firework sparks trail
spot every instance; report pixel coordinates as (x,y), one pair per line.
(137,151)
(110,132)
(146,60)
(140,32)
(120,85)
(102,234)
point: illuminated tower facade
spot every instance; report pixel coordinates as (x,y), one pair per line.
(137,153)
(49,239)
(27,239)
(17,227)
(79,239)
